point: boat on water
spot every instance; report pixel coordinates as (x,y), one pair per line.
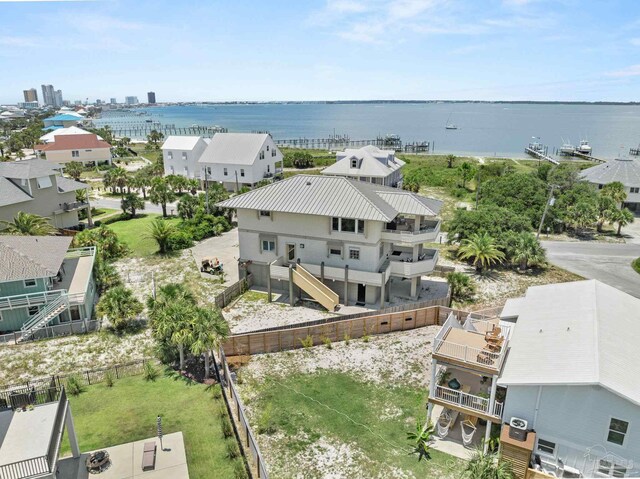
(584,148)
(567,148)
(449,125)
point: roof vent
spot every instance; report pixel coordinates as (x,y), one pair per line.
(308,183)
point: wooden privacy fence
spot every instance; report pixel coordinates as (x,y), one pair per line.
(339,330)
(233,291)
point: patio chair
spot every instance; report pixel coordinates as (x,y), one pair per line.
(149,456)
(444,423)
(468,430)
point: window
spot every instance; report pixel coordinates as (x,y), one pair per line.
(170,155)
(335,224)
(267,147)
(262,154)
(546,447)
(241,171)
(354,253)
(635,189)
(33,310)
(291,252)
(186,171)
(225,172)
(75,154)
(611,469)
(44,182)
(265,213)
(184,155)
(381,249)
(268,245)
(29,283)
(172,170)
(354,163)
(348,225)
(335,251)
(208,170)
(360,224)
(268,168)
(273,152)
(617,431)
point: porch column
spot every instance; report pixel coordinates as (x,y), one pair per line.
(89,219)
(414,286)
(346,285)
(269,282)
(71,433)
(416,252)
(382,285)
(322,272)
(487,436)
(418,222)
(492,396)
(432,389)
(292,300)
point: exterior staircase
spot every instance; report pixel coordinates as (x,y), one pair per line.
(315,288)
(49,312)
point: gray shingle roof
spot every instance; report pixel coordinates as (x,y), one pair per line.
(28,257)
(580,333)
(624,170)
(371,161)
(10,193)
(67,184)
(332,196)
(233,148)
(27,169)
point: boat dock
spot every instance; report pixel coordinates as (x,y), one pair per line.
(584,156)
(342,142)
(141,131)
(635,151)
(540,152)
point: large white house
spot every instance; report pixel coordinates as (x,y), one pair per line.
(180,155)
(240,159)
(354,236)
(624,170)
(571,374)
(370,164)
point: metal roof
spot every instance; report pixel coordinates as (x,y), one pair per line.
(371,161)
(63,117)
(28,257)
(330,196)
(10,193)
(26,169)
(624,170)
(234,148)
(175,142)
(410,203)
(578,333)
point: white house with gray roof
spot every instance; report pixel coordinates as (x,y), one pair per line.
(240,159)
(571,374)
(180,155)
(370,164)
(38,187)
(624,170)
(355,237)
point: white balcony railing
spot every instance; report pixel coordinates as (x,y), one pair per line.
(409,269)
(428,232)
(31,299)
(468,354)
(467,401)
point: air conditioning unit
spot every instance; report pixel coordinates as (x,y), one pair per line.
(518,429)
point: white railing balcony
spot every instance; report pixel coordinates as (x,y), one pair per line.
(80,252)
(469,354)
(466,400)
(31,299)
(409,268)
(428,232)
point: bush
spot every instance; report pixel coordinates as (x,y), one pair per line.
(636,265)
(233,451)
(179,240)
(109,378)
(150,372)
(266,424)
(327,342)
(74,385)
(462,286)
(347,339)
(227,428)
(239,470)
(307,342)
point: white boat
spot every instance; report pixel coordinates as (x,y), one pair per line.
(567,148)
(449,125)
(584,148)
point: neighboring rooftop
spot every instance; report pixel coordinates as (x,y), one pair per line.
(234,148)
(334,196)
(67,184)
(175,142)
(371,161)
(64,117)
(10,193)
(27,169)
(578,333)
(72,130)
(28,257)
(74,142)
(624,170)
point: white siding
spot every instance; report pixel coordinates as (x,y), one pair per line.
(175,164)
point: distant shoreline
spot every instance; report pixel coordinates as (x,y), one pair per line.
(387,102)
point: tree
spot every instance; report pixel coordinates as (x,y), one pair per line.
(491,219)
(187,206)
(606,207)
(177,183)
(116,178)
(154,138)
(521,193)
(106,241)
(142,180)
(161,194)
(74,169)
(582,215)
(160,231)
(615,191)
(482,250)
(420,440)
(467,171)
(487,466)
(28,224)
(120,306)
(450,160)
(130,203)
(525,249)
(462,286)
(208,330)
(623,217)
(105,274)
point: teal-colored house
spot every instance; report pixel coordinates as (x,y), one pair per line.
(44,283)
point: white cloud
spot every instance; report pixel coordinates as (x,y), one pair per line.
(635,42)
(630,71)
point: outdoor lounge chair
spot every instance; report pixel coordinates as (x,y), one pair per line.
(149,456)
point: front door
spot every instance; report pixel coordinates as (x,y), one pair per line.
(291,252)
(362,289)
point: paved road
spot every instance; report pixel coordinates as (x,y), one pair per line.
(115,204)
(609,263)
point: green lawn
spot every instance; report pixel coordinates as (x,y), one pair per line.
(101,213)
(301,420)
(635,264)
(135,232)
(127,412)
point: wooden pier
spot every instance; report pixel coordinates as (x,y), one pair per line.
(540,152)
(635,151)
(584,156)
(343,142)
(166,130)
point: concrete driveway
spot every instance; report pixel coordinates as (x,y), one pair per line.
(225,248)
(606,262)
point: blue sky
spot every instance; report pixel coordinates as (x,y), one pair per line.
(323,50)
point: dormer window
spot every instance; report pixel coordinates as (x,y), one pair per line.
(354,163)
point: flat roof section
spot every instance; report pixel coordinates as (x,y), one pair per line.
(26,433)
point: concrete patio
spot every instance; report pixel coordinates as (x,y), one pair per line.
(126,461)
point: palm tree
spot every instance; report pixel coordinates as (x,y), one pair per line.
(172,323)
(450,160)
(187,206)
(74,169)
(462,286)
(169,293)
(154,137)
(28,224)
(119,305)
(161,194)
(120,178)
(582,215)
(527,250)
(482,250)
(623,217)
(487,466)
(606,207)
(208,330)
(615,191)
(420,440)
(130,203)
(160,231)
(466,172)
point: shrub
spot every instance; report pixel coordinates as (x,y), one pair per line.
(150,372)
(307,342)
(109,378)
(179,240)
(227,428)
(462,286)
(327,342)
(636,265)
(239,470)
(347,339)
(74,386)
(365,335)
(233,451)
(266,424)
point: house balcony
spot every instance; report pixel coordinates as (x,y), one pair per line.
(280,270)
(74,206)
(402,264)
(75,274)
(405,232)
(466,402)
(477,344)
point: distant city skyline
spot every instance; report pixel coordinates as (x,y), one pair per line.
(531,50)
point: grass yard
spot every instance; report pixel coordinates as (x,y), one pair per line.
(102,213)
(331,424)
(135,233)
(635,264)
(127,412)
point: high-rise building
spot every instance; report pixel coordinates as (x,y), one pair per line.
(30,95)
(151,97)
(113,101)
(47,95)
(131,100)
(57,99)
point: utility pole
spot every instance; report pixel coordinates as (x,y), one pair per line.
(237,187)
(206,190)
(550,201)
